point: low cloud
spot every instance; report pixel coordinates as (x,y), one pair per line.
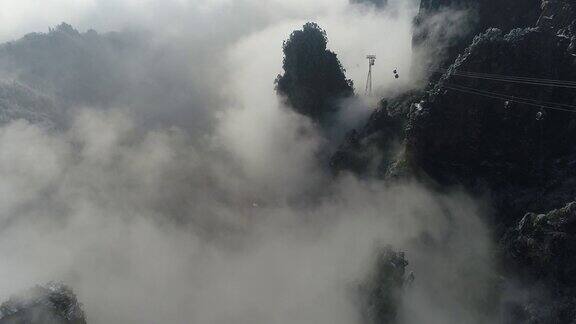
(224,212)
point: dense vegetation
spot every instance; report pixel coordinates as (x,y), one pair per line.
(313,78)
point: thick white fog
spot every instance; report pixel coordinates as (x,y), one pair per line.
(208,203)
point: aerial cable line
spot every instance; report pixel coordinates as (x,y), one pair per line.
(511,100)
(508,76)
(528,81)
(545,84)
(529,102)
(526,101)
(504,77)
(540,102)
(536,83)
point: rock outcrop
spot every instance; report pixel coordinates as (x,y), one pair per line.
(543,247)
(546,243)
(50,304)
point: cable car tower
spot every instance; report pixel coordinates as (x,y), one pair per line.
(371,62)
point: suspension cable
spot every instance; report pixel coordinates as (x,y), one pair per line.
(512,79)
(540,102)
(525,101)
(507,76)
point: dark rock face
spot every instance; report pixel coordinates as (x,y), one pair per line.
(543,247)
(313,78)
(546,243)
(492,139)
(50,304)
(352,155)
(556,14)
(523,154)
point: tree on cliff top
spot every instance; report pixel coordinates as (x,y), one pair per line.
(313,77)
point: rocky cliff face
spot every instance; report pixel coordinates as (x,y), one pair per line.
(457,135)
(479,16)
(462,131)
(543,248)
(517,151)
(496,139)
(556,14)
